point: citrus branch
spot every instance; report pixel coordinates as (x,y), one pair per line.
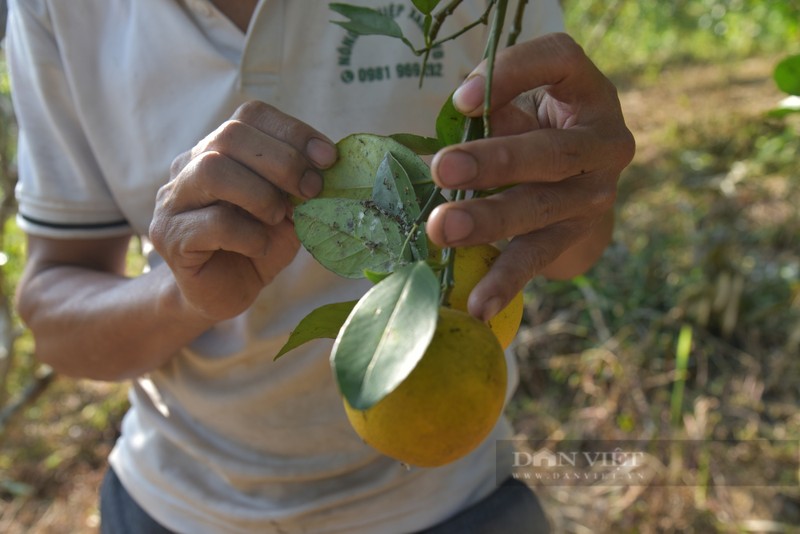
(471,132)
(491,52)
(516,27)
(436,25)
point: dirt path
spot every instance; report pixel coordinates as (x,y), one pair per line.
(697,94)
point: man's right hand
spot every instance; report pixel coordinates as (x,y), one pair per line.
(223,222)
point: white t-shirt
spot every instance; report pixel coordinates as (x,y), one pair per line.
(223,439)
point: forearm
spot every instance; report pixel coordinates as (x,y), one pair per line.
(583,255)
(103,326)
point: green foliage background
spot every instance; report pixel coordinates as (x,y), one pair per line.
(626,36)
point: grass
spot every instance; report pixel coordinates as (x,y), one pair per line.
(688,330)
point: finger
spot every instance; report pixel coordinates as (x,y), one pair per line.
(519,210)
(276,160)
(516,117)
(317,147)
(274,145)
(189,239)
(283,246)
(540,155)
(523,258)
(214,177)
(553,60)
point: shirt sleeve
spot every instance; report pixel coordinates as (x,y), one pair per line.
(61,191)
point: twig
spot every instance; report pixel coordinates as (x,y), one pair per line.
(491,52)
(439,18)
(483,19)
(593,306)
(436,25)
(28,396)
(8,180)
(516,26)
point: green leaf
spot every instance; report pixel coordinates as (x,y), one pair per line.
(324,322)
(787,75)
(394,196)
(419,244)
(450,124)
(347,236)
(366,21)
(360,155)
(426,28)
(393,192)
(374,276)
(788,106)
(425,6)
(386,335)
(423,146)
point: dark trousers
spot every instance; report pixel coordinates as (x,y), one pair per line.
(511,509)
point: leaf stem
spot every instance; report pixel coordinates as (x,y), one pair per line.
(426,210)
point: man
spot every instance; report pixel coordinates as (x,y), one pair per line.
(189,121)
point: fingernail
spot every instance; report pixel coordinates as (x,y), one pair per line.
(458,224)
(491,308)
(322,153)
(469,95)
(456,168)
(310,184)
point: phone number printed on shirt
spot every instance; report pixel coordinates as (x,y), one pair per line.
(386,72)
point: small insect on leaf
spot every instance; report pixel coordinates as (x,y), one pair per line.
(360,155)
(348,236)
(393,192)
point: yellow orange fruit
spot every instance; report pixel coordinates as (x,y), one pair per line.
(448,404)
(471,264)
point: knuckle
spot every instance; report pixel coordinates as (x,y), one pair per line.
(293,161)
(251,110)
(503,157)
(209,164)
(545,206)
(605,198)
(157,233)
(568,49)
(626,147)
(227,134)
(563,152)
(293,130)
(535,257)
(178,164)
